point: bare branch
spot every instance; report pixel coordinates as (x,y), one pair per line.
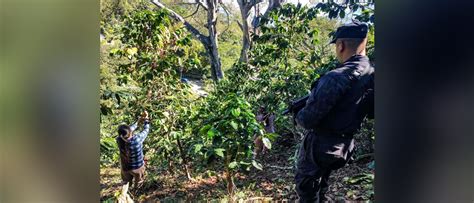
(228,17)
(252,3)
(240,25)
(197,2)
(204,39)
(187,3)
(273,4)
(194,13)
(202,4)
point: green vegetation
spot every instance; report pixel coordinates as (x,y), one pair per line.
(144,56)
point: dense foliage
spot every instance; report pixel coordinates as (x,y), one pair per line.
(144,56)
(149,62)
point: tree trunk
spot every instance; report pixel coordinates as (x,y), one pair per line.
(230,182)
(212,47)
(210,42)
(246,41)
(170,165)
(214,59)
(245,8)
(229,175)
(272,4)
(183,157)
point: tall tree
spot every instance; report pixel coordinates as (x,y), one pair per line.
(245,7)
(209,41)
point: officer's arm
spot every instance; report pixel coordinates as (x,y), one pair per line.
(369,106)
(367,101)
(322,99)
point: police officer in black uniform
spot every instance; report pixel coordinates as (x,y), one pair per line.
(333,113)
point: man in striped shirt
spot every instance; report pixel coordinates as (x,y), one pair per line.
(131,150)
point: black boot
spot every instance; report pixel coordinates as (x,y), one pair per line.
(324,187)
(307,188)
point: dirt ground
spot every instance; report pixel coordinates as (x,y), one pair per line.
(274,183)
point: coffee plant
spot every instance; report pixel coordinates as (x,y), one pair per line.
(145,56)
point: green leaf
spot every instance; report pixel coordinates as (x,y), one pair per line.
(233,164)
(234,125)
(131,52)
(271,136)
(114,51)
(219,152)
(351,193)
(257,165)
(342,14)
(267,143)
(366,177)
(211,133)
(173,134)
(197,148)
(204,129)
(244,163)
(235,112)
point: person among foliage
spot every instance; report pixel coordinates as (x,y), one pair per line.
(333,113)
(268,121)
(130,145)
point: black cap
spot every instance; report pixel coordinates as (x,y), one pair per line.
(355,29)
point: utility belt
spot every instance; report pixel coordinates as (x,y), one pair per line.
(326,133)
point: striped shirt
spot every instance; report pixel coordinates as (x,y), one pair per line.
(131,150)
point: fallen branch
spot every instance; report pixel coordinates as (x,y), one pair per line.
(264,199)
(281,167)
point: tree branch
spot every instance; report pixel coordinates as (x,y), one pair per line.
(194,13)
(228,17)
(187,3)
(240,25)
(198,2)
(252,3)
(202,4)
(204,39)
(273,4)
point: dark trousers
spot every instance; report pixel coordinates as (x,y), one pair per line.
(318,156)
(312,188)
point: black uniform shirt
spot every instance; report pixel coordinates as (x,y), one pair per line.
(341,99)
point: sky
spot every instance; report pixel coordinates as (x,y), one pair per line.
(300,1)
(289,1)
(304,2)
